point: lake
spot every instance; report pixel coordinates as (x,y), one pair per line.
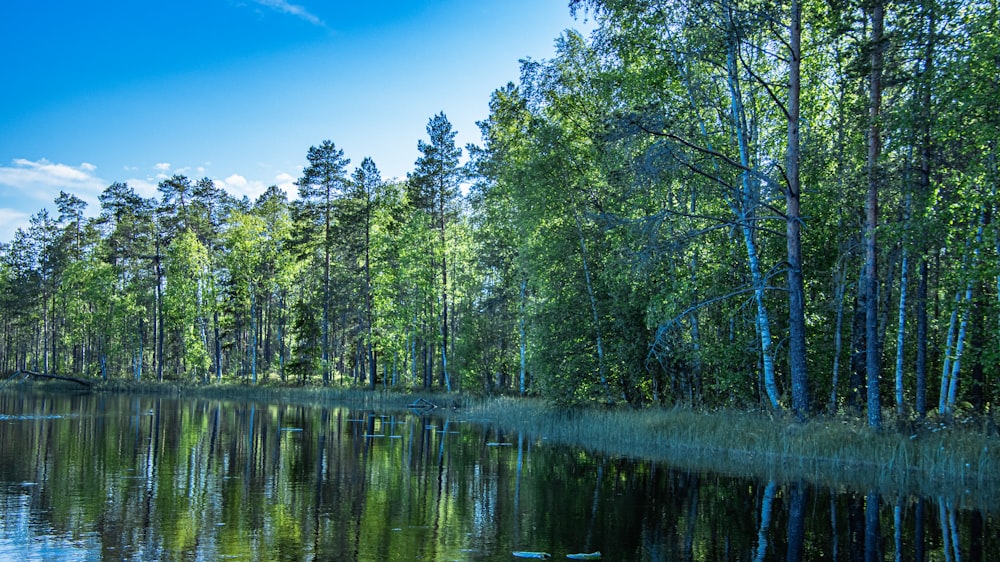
(95,476)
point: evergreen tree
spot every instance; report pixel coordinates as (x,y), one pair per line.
(322,182)
(434,189)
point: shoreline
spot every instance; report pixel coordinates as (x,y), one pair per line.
(957,460)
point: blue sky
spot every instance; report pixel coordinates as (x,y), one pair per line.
(237,90)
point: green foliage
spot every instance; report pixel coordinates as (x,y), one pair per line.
(623,222)
(187,302)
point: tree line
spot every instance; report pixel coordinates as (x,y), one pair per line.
(754,203)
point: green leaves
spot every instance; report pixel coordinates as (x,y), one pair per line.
(188,301)
(626,224)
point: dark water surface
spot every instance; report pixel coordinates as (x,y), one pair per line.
(116,477)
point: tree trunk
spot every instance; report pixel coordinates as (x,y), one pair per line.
(55,328)
(325,330)
(138,360)
(281,335)
(839,290)
(368,291)
(900,331)
(253,334)
(45,330)
(946,364)
(593,309)
(523,338)
(218,347)
(414,363)
(921,360)
(859,346)
(949,383)
(977,341)
(924,182)
(158,329)
(793,228)
(871,217)
(445,379)
(959,350)
(746,214)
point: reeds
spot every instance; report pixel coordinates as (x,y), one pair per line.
(933,460)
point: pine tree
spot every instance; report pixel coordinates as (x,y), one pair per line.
(434,189)
(322,182)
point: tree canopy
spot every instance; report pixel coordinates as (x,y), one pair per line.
(788,206)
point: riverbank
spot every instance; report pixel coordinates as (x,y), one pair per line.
(960,460)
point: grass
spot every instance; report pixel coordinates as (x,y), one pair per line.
(961,462)
(957,460)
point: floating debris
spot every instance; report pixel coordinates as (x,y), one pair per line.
(531,554)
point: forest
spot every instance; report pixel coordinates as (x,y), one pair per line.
(750,204)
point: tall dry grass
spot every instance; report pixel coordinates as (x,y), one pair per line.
(961,462)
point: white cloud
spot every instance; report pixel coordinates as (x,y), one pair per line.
(161,170)
(238,186)
(292,9)
(10,221)
(236,181)
(286,182)
(144,187)
(42,180)
(46,171)
(26,186)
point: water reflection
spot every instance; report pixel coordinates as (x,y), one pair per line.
(118,477)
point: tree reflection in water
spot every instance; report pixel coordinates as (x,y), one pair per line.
(125,477)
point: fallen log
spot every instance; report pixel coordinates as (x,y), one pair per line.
(26,374)
(422,404)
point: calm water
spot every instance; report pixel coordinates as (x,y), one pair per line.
(94,476)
